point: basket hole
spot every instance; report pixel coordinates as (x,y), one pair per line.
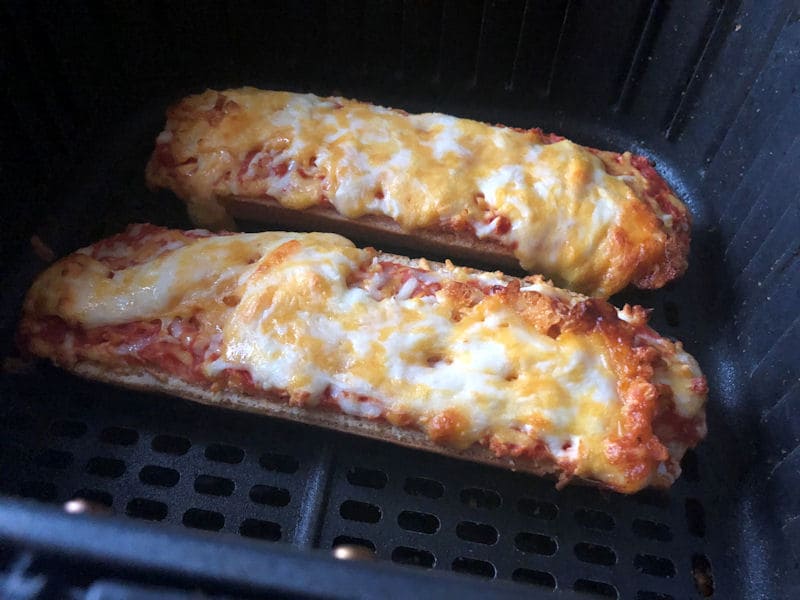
(595,554)
(171,444)
(280,463)
(537,508)
(198,518)
(102,466)
(230,455)
(596,588)
(414,557)
(98,496)
(160,476)
(39,490)
(647,595)
(653,497)
(654,565)
(422,486)
(272,496)
(703,578)
(477,532)
(474,567)
(54,459)
(142,508)
(594,519)
(262,530)
(652,530)
(535,543)
(346,540)
(417,521)
(121,436)
(690,466)
(213,486)
(480,498)
(531,577)
(68,428)
(370,478)
(360,511)
(695,517)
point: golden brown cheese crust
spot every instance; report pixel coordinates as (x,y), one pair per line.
(584,391)
(595,221)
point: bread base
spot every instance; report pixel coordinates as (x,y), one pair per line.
(270,405)
(457,246)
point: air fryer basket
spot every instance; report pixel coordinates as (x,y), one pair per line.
(235,505)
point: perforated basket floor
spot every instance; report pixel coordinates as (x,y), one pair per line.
(167,461)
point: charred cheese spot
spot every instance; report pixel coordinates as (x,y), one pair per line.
(450,427)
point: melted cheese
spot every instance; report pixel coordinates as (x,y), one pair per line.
(316,332)
(299,327)
(565,209)
(679,372)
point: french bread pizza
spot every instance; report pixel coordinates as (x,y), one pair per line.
(594,221)
(308,327)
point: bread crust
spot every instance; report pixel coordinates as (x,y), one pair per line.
(456,245)
(271,405)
